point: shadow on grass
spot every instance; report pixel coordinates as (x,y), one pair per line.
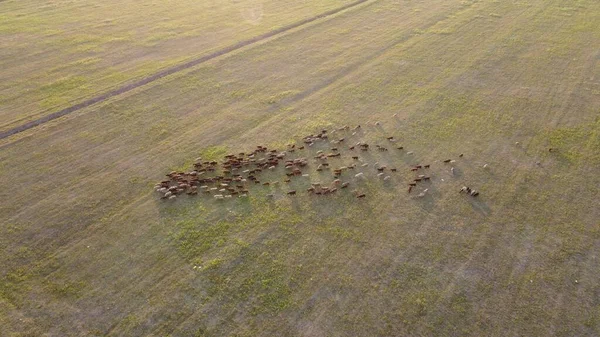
(479,206)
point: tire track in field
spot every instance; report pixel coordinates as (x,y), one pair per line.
(175,69)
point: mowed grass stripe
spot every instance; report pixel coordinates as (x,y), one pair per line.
(174,70)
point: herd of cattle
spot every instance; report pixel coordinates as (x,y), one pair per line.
(237,174)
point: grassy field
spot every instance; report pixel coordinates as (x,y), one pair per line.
(57,53)
(88,249)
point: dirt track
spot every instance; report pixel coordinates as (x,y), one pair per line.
(172,70)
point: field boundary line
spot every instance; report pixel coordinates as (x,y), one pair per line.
(174,69)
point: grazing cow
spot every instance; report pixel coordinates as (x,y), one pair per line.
(291,193)
(414,169)
(390,138)
(412,184)
(355,157)
(422,194)
(286,180)
(344,185)
(310,190)
(427,166)
(365,165)
(426,178)
(393,170)
(463,189)
(461,155)
(381,169)
(386,178)
(410,188)
(400,147)
(409,152)
(447,160)
(361,196)
(474,193)
(358,175)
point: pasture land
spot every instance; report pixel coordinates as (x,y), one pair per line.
(57,53)
(89,249)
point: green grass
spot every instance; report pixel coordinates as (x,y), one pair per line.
(88,248)
(47,50)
